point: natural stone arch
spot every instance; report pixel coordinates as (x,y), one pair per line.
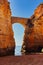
(25,22)
(33,32)
(20,20)
(30,43)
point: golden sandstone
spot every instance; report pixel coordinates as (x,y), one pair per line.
(33,35)
(33,38)
(7,42)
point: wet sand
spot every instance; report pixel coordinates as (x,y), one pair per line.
(35,59)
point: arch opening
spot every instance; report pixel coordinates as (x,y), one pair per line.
(18,30)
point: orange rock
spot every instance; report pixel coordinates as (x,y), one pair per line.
(33,38)
(7,42)
(33,35)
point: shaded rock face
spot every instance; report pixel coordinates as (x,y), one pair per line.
(7,42)
(33,38)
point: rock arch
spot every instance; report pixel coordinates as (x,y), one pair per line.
(33,38)
(20,20)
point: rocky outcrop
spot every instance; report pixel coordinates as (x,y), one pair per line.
(33,35)
(33,38)
(7,42)
(19,20)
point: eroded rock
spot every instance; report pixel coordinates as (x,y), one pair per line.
(33,38)
(7,42)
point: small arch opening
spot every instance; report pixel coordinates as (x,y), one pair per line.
(18,30)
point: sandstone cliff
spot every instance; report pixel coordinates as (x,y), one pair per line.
(33,38)
(7,42)
(33,35)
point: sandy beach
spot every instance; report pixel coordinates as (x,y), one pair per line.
(35,59)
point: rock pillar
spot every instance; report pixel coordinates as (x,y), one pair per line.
(7,42)
(33,38)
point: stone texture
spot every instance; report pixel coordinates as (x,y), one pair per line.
(33,34)
(33,38)
(20,20)
(35,59)
(7,42)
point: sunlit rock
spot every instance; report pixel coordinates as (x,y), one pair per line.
(33,38)
(33,34)
(7,42)
(42,50)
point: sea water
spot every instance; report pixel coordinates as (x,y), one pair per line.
(18,51)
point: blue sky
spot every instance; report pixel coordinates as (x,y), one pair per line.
(18,33)
(22,8)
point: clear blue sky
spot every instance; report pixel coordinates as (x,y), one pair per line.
(18,33)
(22,8)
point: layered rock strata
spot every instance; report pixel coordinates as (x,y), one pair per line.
(33,37)
(7,42)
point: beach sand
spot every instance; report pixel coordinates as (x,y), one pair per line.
(35,59)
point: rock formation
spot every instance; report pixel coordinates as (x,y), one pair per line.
(33,34)
(7,42)
(33,38)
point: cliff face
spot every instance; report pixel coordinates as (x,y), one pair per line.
(33,35)
(7,42)
(33,38)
